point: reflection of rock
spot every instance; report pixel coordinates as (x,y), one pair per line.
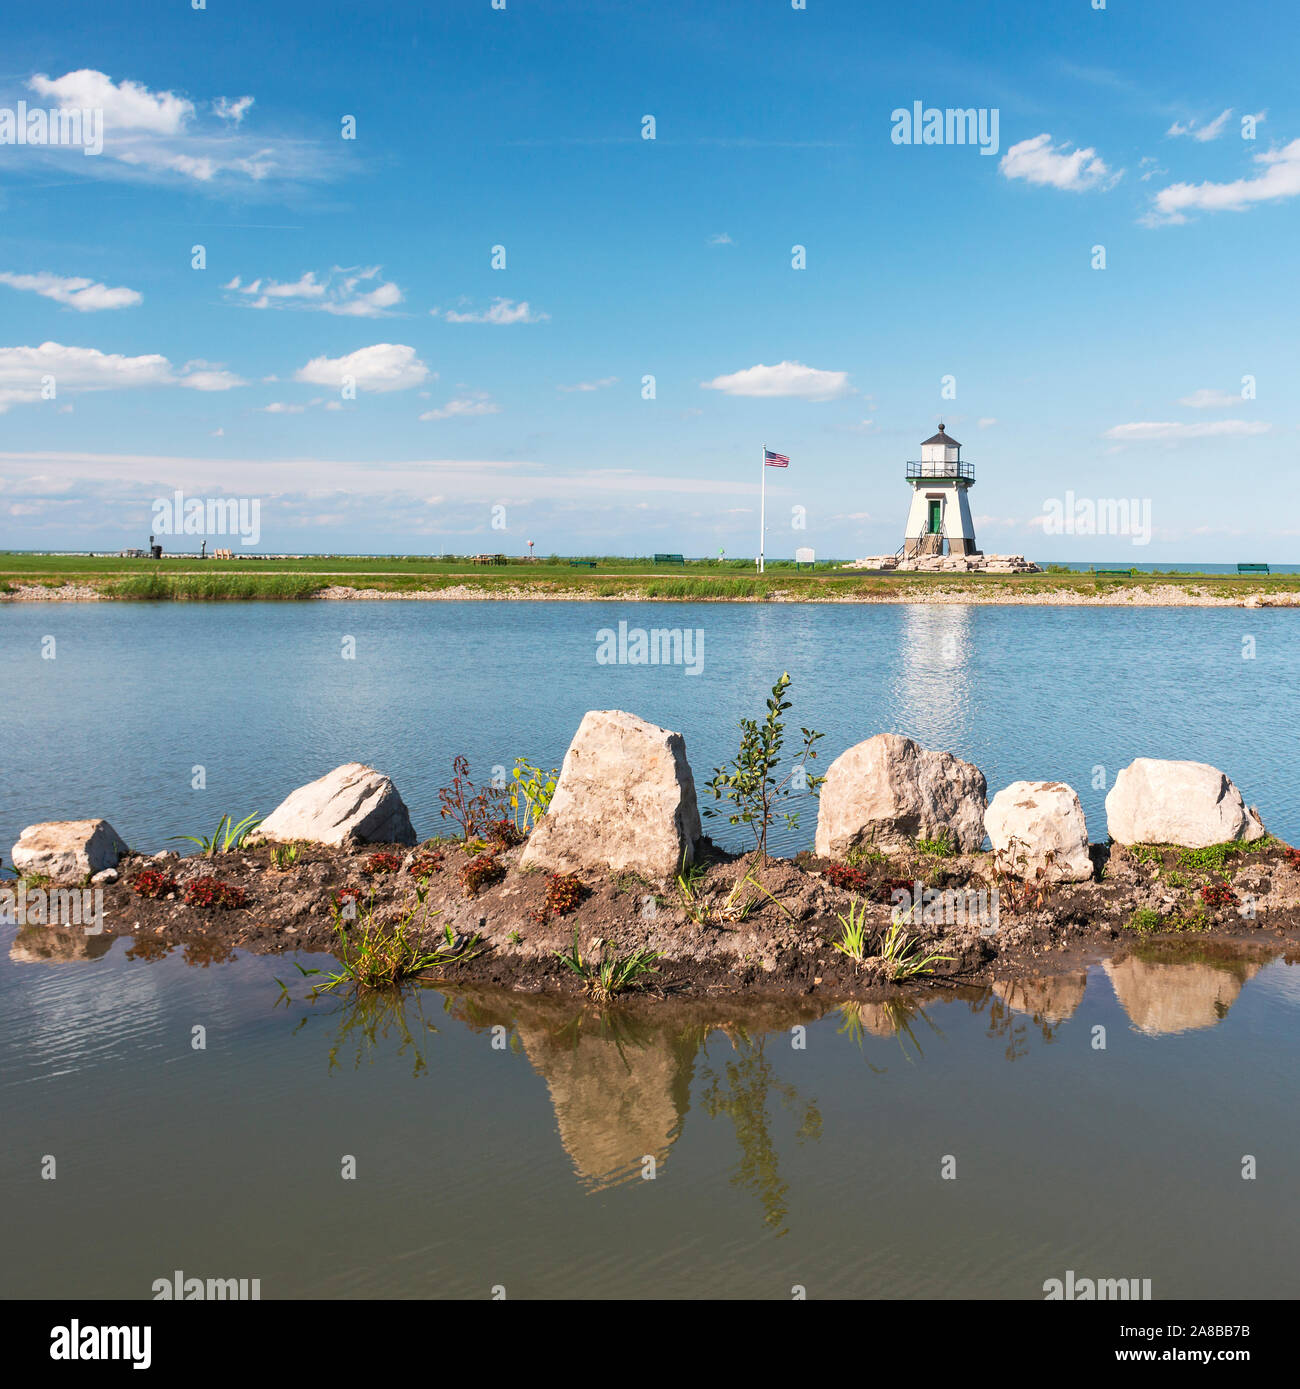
(1051,997)
(57,945)
(617,1099)
(1163,997)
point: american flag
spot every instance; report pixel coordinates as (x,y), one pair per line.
(775,460)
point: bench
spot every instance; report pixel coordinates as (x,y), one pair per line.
(582,564)
(669,559)
(1253,569)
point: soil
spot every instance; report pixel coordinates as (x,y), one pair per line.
(753,927)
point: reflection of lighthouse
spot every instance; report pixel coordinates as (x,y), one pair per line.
(940,514)
(931,696)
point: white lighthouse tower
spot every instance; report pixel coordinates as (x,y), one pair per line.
(939,521)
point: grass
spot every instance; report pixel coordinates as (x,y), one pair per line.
(612,974)
(943,846)
(899,951)
(250,577)
(285,856)
(227,838)
(1145,921)
(854,933)
(372,956)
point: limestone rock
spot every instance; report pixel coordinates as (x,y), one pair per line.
(889,791)
(624,802)
(1187,803)
(67,851)
(1041,823)
(353,804)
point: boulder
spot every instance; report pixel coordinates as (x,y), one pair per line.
(1039,824)
(67,851)
(353,804)
(1190,804)
(889,791)
(624,802)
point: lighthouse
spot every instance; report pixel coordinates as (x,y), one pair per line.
(939,521)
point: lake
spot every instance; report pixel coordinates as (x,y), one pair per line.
(958,1145)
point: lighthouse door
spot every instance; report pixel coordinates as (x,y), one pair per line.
(936,515)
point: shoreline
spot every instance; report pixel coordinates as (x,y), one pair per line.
(1131,594)
(782,944)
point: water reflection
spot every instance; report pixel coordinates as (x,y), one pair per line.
(1166,990)
(931,695)
(58,945)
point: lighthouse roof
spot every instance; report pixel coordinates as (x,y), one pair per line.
(941,438)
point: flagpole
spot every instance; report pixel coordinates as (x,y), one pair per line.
(762,507)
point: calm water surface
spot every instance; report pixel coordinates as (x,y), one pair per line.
(502,1141)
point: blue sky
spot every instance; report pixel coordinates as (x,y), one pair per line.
(522,388)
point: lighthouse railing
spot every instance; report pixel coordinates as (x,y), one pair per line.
(955,468)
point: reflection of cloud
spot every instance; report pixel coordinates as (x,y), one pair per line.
(1162,998)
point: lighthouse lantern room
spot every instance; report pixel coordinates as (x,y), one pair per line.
(939,521)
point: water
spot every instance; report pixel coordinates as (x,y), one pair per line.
(502,1140)
(521,1164)
(259,696)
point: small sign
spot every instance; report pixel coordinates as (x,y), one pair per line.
(805,556)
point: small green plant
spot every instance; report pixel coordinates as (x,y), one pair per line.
(750,784)
(1215,858)
(899,951)
(515,938)
(854,932)
(530,796)
(860,854)
(1145,920)
(373,958)
(613,973)
(944,845)
(228,837)
(285,856)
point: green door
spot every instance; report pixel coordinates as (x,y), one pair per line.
(936,511)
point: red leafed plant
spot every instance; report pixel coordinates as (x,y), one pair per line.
(1293,857)
(503,834)
(382,863)
(1218,894)
(563,893)
(153,882)
(479,872)
(846,876)
(212,892)
(346,894)
(423,865)
(468,807)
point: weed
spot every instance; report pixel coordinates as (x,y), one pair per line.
(899,950)
(381,863)
(472,809)
(1212,859)
(563,893)
(530,796)
(1218,894)
(613,974)
(1145,920)
(864,853)
(226,838)
(846,876)
(944,845)
(285,856)
(425,864)
(853,936)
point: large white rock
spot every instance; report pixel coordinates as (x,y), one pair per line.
(624,802)
(1041,823)
(353,804)
(889,791)
(1187,803)
(67,851)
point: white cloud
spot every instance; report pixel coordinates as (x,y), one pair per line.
(987,422)
(785,379)
(1211,130)
(1279,178)
(86,296)
(591,385)
(278,407)
(479,403)
(502,311)
(127,106)
(342,291)
(385,366)
(1207,399)
(1037,160)
(1205,429)
(23,371)
(722,239)
(233,111)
